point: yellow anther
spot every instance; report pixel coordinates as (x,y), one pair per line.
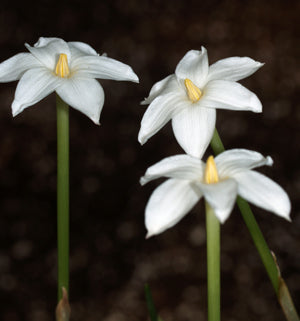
(62,68)
(193,92)
(211,174)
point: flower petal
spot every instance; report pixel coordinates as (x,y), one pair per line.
(263,192)
(168,204)
(233,68)
(34,85)
(232,161)
(193,128)
(79,49)
(44,41)
(162,87)
(230,95)
(104,68)
(158,113)
(182,167)
(13,68)
(85,95)
(194,66)
(47,51)
(220,196)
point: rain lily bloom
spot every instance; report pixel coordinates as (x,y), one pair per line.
(191,95)
(69,68)
(219,181)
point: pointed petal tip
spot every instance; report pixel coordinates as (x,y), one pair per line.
(288,218)
(132,76)
(142,142)
(287,213)
(96,121)
(27,45)
(256,104)
(143,180)
(259,110)
(203,49)
(269,161)
(222,214)
(16,108)
(222,218)
(149,234)
(141,139)
(14,113)
(136,79)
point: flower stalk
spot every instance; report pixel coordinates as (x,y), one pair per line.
(266,256)
(150,305)
(213,265)
(62,195)
(259,241)
(256,234)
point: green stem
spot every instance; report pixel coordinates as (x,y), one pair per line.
(62,195)
(216,143)
(259,241)
(256,234)
(150,304)
(213,265)
(266,256)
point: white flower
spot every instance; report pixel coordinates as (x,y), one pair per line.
(191,95)
(69,68)
(219,181)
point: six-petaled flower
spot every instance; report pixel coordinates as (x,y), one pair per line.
(69,68)
(219,181)
(191,95)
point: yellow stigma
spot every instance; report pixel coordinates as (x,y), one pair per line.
(193,92)
(211,174)
(62,68)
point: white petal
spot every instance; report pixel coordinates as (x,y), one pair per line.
(232,161)
(13,68)
(47,51)
(43,41)
(194,66)
(233,68)
(180,166)
(221,197)
(162,87)
(103,67)
(34,85)
(79,49)
(230,95)
(168,204)
(158,113)
(85,95)
(263,192)
(193,128)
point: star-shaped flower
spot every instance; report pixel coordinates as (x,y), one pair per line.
(219,181)
(69,68)
(191,95)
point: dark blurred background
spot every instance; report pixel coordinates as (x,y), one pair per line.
(110,258)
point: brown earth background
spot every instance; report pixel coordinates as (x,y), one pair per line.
(110,258)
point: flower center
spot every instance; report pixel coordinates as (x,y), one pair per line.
(211,174)
(62,68)
(193,92)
